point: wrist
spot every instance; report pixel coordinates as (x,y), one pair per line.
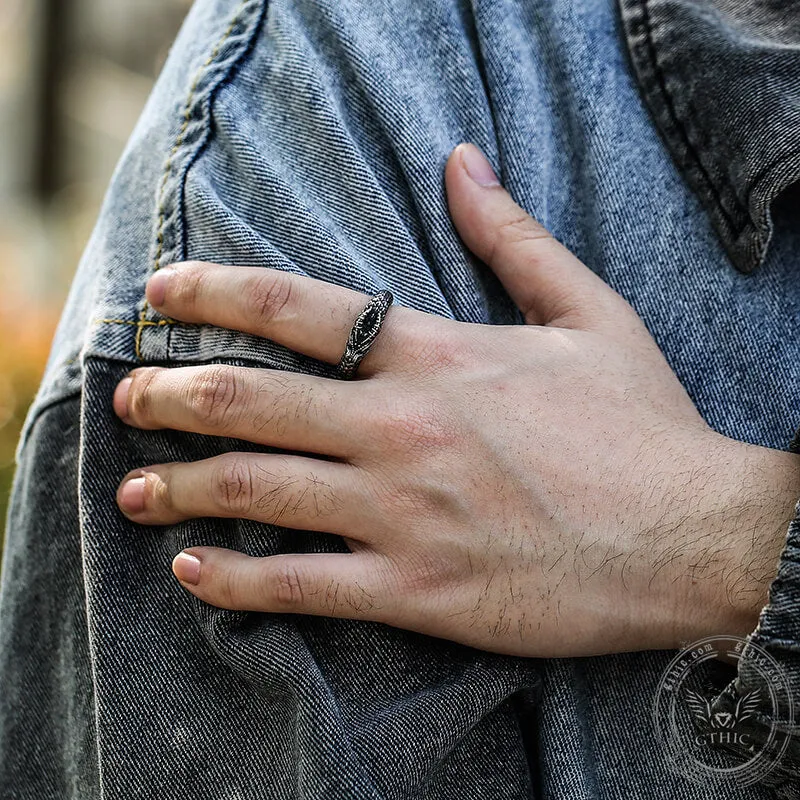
(735,538)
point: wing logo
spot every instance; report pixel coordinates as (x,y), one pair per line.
(723,724)
(722,727)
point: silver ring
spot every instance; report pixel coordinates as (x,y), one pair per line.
(363,333)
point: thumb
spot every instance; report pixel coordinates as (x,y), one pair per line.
(549,284)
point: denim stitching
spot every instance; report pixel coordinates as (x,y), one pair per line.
(681,128)
(138,322)
(142,322)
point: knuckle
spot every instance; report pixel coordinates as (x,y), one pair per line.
(414,504)
(213,395)
(142,393)
(232,485)
(421,428)
(270,294)
(435,351)
(288,586)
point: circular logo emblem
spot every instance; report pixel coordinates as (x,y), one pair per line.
(711,736)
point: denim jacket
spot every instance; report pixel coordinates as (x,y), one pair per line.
(308,135)
(721,79)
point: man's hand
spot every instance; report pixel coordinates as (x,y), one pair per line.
(539,490)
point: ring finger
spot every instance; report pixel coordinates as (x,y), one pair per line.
(293,491)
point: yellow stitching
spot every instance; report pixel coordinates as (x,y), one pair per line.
(142,322)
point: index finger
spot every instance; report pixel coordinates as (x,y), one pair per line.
(307,315)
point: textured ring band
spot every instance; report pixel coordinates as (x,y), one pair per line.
(363,333)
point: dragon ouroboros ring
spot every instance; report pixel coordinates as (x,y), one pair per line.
(363,333)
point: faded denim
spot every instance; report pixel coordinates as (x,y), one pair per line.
(311,136)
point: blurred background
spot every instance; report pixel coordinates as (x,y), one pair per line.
(74,76)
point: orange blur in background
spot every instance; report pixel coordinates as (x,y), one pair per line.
(74,76)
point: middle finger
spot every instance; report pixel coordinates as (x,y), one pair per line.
(272,407)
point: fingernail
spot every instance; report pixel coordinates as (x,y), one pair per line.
(186,568)
(121,397)
(477,167)
(157,285)
(131,497)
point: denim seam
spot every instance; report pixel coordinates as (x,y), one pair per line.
(169,166)
(138,322)
(170,159)
(682,129)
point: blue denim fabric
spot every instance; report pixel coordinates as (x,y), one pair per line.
(312,137)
